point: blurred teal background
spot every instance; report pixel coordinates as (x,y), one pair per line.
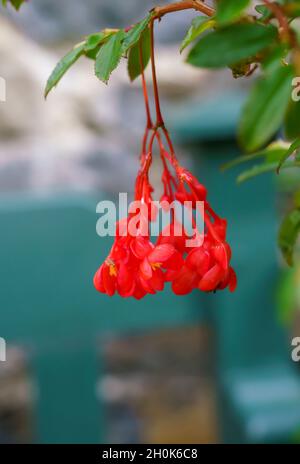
(85,368)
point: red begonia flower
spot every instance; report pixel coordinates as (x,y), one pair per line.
(136,266)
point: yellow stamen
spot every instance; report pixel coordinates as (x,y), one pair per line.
(113,271)
(155,266)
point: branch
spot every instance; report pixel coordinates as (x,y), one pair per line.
(197,5)
(282,20)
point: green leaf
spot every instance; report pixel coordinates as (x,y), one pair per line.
(264,11)
(294,146)
(134,62)
(264,111)
(62,67)
(109,56)
(15,3)
(263,168)
(292,120)
(274,58)
(230,45)
(230,10)
(94,40)
(297,198)
(134,34)
(292,9)
(92,54)
(270,154)
(286,297)
(288,234)
(199,25)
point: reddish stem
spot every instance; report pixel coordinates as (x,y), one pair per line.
(159,118)
(149,125)
(168,176)
(145,91)
(183,5)
(279,15)
(170,144)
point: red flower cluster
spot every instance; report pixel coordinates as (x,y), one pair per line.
(135,266)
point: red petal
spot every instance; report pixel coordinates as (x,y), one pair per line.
(201,191)
(221,255)
(161,253)
(119,252)
(220,227)
(225,281)
(98,281)
(232,280)
(141,247)
(157,281)
(228,249)
(171,275)
(126,282)
(109,282)
(211,279)
(139,293)
(146,269)
(168,236)
(176,262)
(145,284)
(184,282)
(198,260)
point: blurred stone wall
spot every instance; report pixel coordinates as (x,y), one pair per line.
(55,20)
(80,137)
(83,133)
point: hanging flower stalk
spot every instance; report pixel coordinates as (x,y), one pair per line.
(135,266)
(229,35)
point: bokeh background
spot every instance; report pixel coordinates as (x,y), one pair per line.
(84,368)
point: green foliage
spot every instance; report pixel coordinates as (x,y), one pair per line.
(264,11)
(231,44)
(106,48)
(133,35)
(199,25)
(15,3)
(287,298)
(109,56)
(294,147)
(93,41)
(229,11)
(292,120)
(62,67)
(288,234)
(265,109)
(263,169)
(276,155)
(134,57)
(273,157)
(274,152)
(137,45)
